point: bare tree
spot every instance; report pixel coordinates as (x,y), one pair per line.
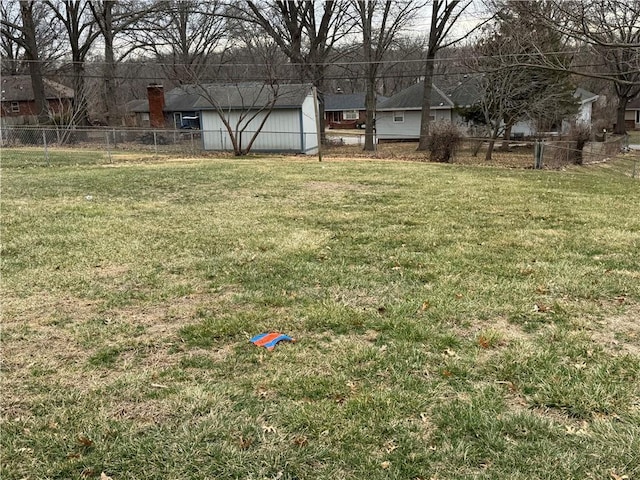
(381,22)
(114,17)
(306,32)
(12,40)
(508,93)
(444,15)
(607,30)
(184,37)
(81,32)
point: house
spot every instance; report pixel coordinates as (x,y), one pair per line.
(398,118)
(286,113)
(346,110)
(632,115)
(18,104)
(175,109)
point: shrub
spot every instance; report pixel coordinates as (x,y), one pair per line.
(444,141)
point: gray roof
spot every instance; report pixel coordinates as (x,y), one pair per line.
(463,89)
(137,106)
(18,88)
(243,96)
(411,99)
(585,96)
(347,101)
(634,104)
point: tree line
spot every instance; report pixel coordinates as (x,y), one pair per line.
(524,58)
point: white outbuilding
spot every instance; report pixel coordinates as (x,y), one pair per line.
(268,118)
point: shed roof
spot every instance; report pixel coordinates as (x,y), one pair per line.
(347,101)
(411,99)
(585,96)
(244,96)
(18,88)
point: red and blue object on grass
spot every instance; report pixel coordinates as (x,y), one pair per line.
(269,340)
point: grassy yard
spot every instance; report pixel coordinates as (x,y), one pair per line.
(452,322)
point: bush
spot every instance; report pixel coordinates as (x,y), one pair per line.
(444,141)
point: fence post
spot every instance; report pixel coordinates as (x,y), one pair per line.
(193,146)
(46,150)
(115,140)
(538,154)
(155,142)
(106,134)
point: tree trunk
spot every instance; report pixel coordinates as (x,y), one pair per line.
(494,135)
(370,105)
(621,127)
(31,54)
(80,107)
(507,136)
(423,145)
(366,14)
(112,114)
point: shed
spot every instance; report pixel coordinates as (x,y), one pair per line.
(287,114)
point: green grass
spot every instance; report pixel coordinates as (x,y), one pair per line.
(451,321)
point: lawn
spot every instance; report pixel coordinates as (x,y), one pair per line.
(451,321)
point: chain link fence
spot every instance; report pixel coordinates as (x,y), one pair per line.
(107,140)
(31,145)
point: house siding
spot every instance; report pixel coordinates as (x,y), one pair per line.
(387,129)
(282,132)
(309,127)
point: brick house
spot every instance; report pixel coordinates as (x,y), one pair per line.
(18,106)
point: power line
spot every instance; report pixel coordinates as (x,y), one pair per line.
(307,64)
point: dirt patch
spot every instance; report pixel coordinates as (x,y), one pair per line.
(619,334)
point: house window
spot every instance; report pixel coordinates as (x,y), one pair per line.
(351,115)
(398,117)
(638,117)
(15,107)
(177,120)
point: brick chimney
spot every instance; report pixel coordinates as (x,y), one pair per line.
(155,94)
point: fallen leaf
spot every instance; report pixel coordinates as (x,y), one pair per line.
(484,342)
(301,441)
(104,476)
(450,353)
(541,308)
(542,289)
(84,441)
(425,305)
(244,443)
(390,446)
(385,465)
(158,385)
(459,296)
(618,477)
(88,472)
(268,429)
